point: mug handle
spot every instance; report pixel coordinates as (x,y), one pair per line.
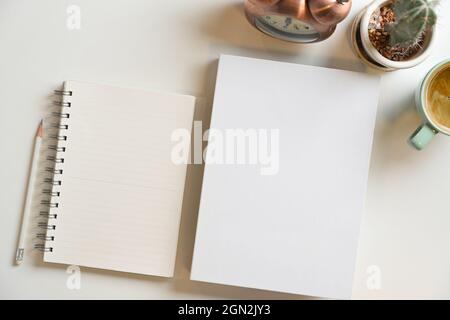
(422,136)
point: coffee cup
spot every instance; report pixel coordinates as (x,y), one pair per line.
(433,104)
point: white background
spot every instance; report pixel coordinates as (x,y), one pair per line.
(173,46)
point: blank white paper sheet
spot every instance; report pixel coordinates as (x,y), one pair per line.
(120,197)
(295,229)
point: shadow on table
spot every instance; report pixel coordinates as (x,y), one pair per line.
(229,32)
(232,292)
(392,132)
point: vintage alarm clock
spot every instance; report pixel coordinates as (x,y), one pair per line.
(301,21)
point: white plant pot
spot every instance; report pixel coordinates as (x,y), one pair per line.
(369,54)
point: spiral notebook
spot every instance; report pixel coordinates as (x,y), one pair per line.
(116,195)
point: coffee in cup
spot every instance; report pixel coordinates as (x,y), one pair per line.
(438,98)
(433,103)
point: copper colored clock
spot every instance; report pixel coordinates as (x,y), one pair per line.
(302,21)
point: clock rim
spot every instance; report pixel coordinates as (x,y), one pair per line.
(253,11)
(262,25)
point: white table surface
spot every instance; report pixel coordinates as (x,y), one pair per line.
(173,46)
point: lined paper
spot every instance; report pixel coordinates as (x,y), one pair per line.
(121,194)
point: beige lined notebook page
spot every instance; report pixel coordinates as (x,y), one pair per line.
(120,199)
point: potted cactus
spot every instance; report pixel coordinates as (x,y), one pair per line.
(395,34)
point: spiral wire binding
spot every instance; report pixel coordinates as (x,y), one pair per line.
(50,205)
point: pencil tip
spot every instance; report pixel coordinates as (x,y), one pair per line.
(40,131)
(19,255)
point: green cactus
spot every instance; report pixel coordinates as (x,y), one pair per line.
(412,19)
